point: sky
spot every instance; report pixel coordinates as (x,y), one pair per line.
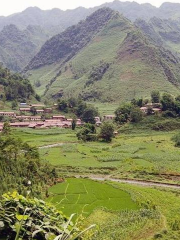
(12,6)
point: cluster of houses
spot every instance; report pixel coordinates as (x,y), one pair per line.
(37,121)
(26,119)
(153,107)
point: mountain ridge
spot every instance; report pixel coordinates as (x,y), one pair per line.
(118,58)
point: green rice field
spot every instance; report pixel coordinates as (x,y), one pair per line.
(84,196)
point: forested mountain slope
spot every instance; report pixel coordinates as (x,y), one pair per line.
(104,58)
(18,47)
(164,32)
(14,86)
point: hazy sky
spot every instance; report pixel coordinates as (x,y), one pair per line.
(11,6)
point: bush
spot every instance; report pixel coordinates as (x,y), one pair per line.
(107,131)
(87,133)
(136,115)
(176,139)
(24,218)
(166,125)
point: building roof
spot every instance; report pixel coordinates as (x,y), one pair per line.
(58,116)
(37,105)
(25,109)
(7,112)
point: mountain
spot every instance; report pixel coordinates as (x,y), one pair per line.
(22,34)
(18,47)
(164,32)
(56,20)
(104,58)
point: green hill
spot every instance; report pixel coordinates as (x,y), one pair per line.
(104,58)
(17,47)
(14,87)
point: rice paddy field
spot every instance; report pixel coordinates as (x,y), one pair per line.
(120,211)
(84,196)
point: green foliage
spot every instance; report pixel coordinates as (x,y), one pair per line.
(73,124)
(14,104)
(63,105)
(155,96)
(128,112)
(89,115)
(25,218)
(15,86)
(123,113)
(87,133)
(167,102)
(33,111)
(6,128)
(176,139)
(19,165)
(107,131)
(136,115)
(97,73)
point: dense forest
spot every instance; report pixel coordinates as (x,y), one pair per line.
(14,86)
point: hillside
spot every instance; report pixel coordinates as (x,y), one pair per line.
(23,34)
(105,62)
(17,47)
(164,32)
(14,87)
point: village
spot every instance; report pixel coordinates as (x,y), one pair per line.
(41,117)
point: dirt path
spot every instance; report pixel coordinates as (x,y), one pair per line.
(136,182)
(52,145)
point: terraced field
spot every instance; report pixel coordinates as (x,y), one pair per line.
(84,195)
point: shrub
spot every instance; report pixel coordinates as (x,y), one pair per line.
(107,131)
(24,218)
(176,139)
(87,133)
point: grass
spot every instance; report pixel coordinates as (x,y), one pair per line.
(43,137)
(158,217)
(137,155)
(83,195)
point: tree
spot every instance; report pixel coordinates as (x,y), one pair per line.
(107,131)
(81,106)
(123,113)
(87,133)
(155,96)
(176,139)
(167,102)
(14,104)
(73,124)
(6,128)
(89,115)
(63,105)
(136,115)
(33,111)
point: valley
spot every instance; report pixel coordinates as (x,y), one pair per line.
(90,123)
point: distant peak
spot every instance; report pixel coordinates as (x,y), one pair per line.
(32,9)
